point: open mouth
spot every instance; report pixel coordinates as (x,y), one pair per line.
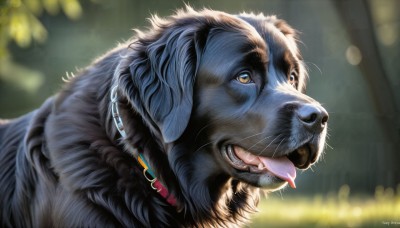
(283,167)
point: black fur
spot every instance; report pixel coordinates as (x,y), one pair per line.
(65,164)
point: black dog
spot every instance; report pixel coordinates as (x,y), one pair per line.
(178,127)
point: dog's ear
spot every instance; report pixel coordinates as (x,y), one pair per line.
(163,71)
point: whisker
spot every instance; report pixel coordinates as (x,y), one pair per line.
(259,142)
(327,145)
(280,193)
(253,136)
(269,144)
(209,124)
(278,147)
(203,128)
(204,145)
(315,66)
(216,120)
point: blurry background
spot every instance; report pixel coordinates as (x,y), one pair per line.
(352,49)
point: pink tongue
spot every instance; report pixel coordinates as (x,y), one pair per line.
(281,167)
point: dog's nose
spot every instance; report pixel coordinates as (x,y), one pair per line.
(313,117)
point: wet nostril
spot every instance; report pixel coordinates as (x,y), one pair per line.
(313,117)
(310,119)
(324,119)
(307,114)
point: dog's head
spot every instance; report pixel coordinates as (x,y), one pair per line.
(223,95)
(250,100)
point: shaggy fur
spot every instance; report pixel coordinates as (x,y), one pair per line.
(66,165)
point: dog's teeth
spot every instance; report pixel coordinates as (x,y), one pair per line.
(260,166)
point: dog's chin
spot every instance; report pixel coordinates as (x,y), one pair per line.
(268,173)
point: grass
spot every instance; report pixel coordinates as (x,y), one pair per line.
(332,210)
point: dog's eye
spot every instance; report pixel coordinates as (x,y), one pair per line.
(244,78)
(293,78)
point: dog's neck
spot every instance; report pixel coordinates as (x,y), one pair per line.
(148,173)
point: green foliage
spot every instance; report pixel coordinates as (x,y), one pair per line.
(19,23)
(333,210)
(19,19)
